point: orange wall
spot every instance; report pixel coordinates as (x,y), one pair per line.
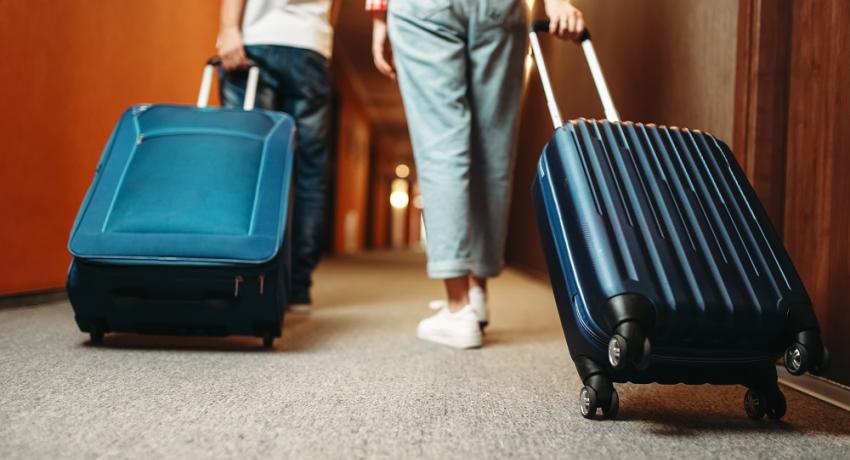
(69,69)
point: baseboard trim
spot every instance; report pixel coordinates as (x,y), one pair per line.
(817,387)
(28,299)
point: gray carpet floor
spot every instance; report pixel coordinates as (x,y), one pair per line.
(352,381)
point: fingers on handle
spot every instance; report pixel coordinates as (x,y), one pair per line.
(564,25)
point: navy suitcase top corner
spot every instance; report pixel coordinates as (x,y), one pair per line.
(207,178)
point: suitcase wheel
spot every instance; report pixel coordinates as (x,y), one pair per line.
(95,335)
(761,402)
(610,410)
(589,403)
(268,340)
(823,365)
(799,359)
(621,353)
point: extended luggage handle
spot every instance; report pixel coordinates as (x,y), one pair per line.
(592,62)
(250,90)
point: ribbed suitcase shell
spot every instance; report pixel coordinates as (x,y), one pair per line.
(668,214)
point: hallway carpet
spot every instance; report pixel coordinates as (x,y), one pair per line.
(352,381)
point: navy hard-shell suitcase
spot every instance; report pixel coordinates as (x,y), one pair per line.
(664,265)
(184,228)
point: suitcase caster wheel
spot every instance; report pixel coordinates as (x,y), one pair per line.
(820,368)
(95,336)
(587,402)
(643,363)
(618,350)
(777,405)
(268,341)
(797,359)
(610,410)
(754,405)
(620,353)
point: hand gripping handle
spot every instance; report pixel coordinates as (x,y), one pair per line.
(592,62)
(250,90)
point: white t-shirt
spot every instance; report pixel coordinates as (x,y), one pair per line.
(296,23)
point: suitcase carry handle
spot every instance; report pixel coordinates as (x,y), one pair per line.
(592,62)
(250,90)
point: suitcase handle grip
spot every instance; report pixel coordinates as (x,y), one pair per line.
(542,25)
(592,62)
(250,90)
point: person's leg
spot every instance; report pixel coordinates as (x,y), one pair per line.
(498,47)
(432,70)
(305,93)
(431,62)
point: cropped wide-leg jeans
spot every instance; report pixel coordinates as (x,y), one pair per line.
(460,68)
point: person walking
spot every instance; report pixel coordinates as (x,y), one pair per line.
(459,65)
(290,41)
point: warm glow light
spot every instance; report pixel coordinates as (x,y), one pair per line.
(399,200)
(402,171)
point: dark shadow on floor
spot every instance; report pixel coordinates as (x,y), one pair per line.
(497,337)
(670,409)
(299,333)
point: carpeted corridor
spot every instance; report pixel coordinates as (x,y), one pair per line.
(352,381)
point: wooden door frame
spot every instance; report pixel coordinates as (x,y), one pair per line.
(761,98)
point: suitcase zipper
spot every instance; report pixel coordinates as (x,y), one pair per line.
(236,282)
(239,279)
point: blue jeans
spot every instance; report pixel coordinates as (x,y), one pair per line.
(460,71)
(296,81)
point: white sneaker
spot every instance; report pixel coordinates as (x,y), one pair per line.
(478,300)
(458,330)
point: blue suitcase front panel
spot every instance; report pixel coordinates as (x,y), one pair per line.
(185,185)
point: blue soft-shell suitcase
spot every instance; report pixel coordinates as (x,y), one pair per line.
(664,265)
(184,227)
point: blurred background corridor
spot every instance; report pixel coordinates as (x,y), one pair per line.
(767,76)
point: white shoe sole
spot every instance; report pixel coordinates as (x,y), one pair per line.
(461,341)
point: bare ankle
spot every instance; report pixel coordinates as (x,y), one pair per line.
(475,281)
(457,291)
(456,306)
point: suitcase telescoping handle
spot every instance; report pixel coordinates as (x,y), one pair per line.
(206,84)
(592,62)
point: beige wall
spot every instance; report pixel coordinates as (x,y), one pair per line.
(666,61)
